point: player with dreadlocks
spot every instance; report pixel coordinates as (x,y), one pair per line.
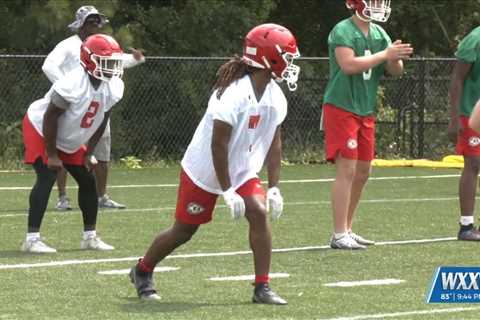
(239,132)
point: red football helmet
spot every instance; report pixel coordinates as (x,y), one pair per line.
(101,56)
(368,10)
(271,46)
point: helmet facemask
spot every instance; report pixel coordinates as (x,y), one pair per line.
(107,67)
(291,71)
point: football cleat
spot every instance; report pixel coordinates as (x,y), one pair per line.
(143,282)
(63,204)
(361,240)
(36,246)
(263,294)
(468,233)
(346,243)
(106,203)
(95,243)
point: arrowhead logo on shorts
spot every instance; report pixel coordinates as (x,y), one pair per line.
(194,208)
(474,141)
(352,143)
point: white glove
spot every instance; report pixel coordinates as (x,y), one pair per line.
(275,201)
(235,202)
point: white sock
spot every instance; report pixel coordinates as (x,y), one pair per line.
(339,235)
(89,234)
(466,220)
(32,236)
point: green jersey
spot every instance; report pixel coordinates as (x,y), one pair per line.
(355,93)
(469,52)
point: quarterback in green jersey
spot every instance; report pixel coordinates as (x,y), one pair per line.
(464,94)
(360,52)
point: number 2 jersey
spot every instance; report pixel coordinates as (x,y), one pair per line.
(355,93)
(253,127)
(86,109)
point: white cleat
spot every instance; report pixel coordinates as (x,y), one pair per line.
(106,202)
(36,246)
(95,243)
(360,239)
(346,243)
(63,204)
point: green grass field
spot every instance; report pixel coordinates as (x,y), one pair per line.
(392,210)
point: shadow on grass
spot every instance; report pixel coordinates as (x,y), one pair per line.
(134,305)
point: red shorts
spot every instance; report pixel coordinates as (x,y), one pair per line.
(195,205)
(348,134)
(468,142)
(35,147)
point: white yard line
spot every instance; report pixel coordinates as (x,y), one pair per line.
(174,185)
(294,203)
(200,255)
(250,277)
(127,271)
(374,282)
(405,313)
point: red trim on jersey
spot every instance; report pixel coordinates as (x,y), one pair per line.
(35,147)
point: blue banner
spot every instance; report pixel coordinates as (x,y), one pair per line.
(455,285)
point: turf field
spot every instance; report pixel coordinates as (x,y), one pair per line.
(68,285)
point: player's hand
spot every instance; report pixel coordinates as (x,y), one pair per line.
(455,128)
(235,202)
(398,51)
(54,163)
(90,162)
(137,54)
(275,202)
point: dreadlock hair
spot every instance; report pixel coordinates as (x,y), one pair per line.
(230,71)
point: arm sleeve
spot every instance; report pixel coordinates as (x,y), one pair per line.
(282,108)
(52,63)
(129,61)
(59,101)
(116,89)
(467,49)
(225,108)
(339,38)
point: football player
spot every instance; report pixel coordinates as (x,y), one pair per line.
(62,59)
(62,129)
(239,132)
(464,94)
(360,51)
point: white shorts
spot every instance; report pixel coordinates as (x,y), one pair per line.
(102,149)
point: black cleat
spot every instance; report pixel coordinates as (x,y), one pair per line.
(468,233)
(263,294)
(143,282)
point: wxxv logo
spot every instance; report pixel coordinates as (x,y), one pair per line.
(455,285)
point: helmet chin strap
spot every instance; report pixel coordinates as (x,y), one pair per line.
(359,16)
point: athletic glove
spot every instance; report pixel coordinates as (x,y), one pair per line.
(235,202)
(275,202)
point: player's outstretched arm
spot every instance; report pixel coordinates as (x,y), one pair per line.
(352,64)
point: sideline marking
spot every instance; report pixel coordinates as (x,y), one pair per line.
(250,277)
(403,314)
(375,282)
(175,185)
(203,255)
(127,271)
(299,203)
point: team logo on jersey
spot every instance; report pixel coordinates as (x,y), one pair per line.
(194,208)
(352,144)
(474,141)
(253,121)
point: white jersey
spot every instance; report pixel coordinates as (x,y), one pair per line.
(66,56)
(86,111)
(253,127)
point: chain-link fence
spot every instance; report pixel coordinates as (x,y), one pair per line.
(165,99)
